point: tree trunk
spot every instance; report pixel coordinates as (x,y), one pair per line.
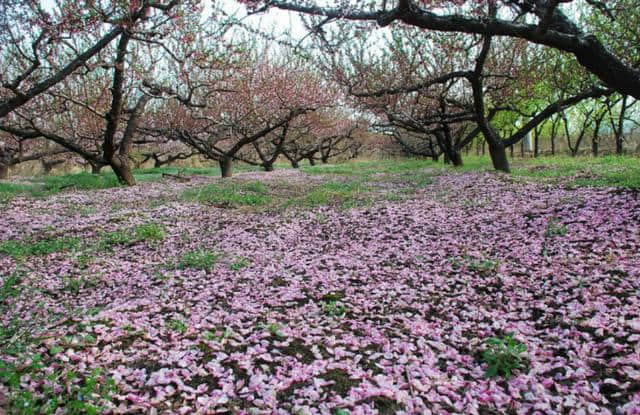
(312,161)
(4,171)
(226,167)
(325,160)
(95,168)
(536,142)
(295,164)
(435,157)
(619,144)
(499,157)
(456,158)
(123,172)
(594,146)
(268,167)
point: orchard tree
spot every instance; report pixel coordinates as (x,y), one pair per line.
(97,114)
(255,101)
(16,149)
(40,47)
(582,29)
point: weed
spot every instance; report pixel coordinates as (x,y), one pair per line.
(275,330)
(555,229)
(239,263)
(149,232)
(219,336)
(334,308)
(200,259)
(504,356)
(177,325)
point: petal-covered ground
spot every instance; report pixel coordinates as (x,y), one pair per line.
(382,308)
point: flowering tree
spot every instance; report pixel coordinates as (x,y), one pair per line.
(255,102)
(549,23)
(40,48)
(15,150)
(96,115)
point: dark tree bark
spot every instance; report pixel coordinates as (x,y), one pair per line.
(226,166)
(295,164)
(4,171)
(312,160)
(48,165)
(268,167)
(498,154)
(96,168)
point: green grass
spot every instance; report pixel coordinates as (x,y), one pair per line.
(371,167)
(18,249)
(229,193)
(615,171)
(146,232)
(330,193)
(200,259)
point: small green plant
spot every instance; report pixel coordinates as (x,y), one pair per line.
(149,232)
(555,229)
(177,325)
(275,329)
(504,356)
(484,266)
(239,263)
(10,286)
(219,336)
(119,237)
(334,308)
(73,285)
(200,259)
(341,412)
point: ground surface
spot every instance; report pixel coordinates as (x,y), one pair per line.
(290,292)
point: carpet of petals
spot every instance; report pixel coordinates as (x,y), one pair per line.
(415,314)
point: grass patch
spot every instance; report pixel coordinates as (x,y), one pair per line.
(147,232)
(370,167)
(200,259)
(608,171)
(21,249)
(230,194)
(330,193)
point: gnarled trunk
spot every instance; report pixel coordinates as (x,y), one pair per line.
(312,161)
(4,171)
(295,164)
(95,168)
(456,158)
(226,167)
(268,167)
(123,172)
(498,155)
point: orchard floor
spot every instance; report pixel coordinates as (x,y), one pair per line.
(321,292)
